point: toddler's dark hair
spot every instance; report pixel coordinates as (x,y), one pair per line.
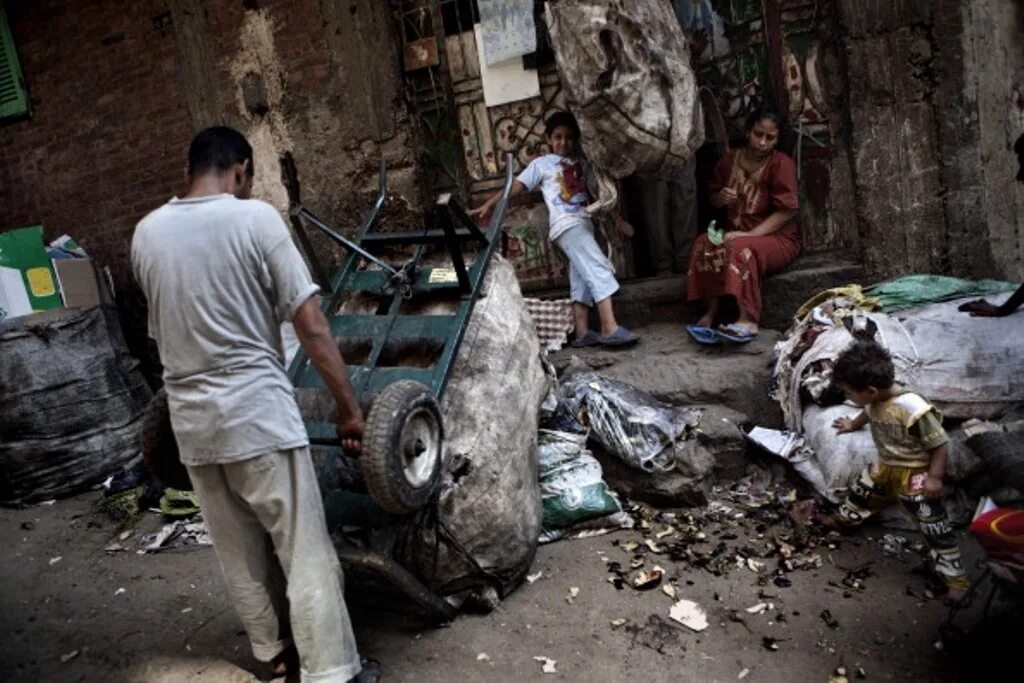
(863,365)
(561,118)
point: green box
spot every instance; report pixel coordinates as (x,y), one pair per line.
(23,250)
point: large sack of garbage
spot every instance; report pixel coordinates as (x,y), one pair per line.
(968,367)
(625,67)
(71,399)
(482,536)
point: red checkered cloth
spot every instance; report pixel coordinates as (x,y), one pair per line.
(553,320)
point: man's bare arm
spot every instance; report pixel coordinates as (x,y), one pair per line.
(315,336)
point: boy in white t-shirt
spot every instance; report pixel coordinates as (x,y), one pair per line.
(562,180)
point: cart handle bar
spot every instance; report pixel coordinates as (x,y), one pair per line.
(303,212)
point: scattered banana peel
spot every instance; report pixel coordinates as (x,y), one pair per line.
(653,547)
(689,614)
(646,579)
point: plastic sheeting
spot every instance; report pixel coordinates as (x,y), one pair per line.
(625,68)
(628,423)
(916,290)
(71,401)
(481,536)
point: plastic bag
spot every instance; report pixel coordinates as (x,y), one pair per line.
(572,489)
(71,404)
(628,423)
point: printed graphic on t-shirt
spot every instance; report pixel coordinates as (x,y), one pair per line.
(573,185)
(563,182)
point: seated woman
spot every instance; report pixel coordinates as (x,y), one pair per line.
(757,185)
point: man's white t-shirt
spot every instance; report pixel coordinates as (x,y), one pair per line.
(564,185)
(221,274)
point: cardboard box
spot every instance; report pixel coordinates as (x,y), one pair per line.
(79,285)
(14,300)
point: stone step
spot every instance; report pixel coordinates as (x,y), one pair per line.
(663,299)
(674,369)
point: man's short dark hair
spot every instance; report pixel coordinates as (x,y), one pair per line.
(863,365)
(561,118)
(218,148)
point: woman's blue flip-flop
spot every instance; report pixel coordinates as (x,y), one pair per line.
(737,334)
(703,335)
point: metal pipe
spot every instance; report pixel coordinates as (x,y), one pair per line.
(398,577)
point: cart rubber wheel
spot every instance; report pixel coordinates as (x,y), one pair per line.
(159,448)
(402,446)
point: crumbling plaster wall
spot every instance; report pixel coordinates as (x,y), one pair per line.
(931,100)
(316,78)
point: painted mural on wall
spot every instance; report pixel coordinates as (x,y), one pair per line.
(488,134)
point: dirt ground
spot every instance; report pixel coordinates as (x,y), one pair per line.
(73,612)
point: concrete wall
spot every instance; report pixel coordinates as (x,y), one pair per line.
(994,54)
(118,89)
(934,106)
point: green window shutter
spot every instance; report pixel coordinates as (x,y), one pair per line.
(13,96)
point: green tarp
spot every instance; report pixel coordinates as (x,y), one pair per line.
(915,290)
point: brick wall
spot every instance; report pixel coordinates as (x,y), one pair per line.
(104,143)
(118,89)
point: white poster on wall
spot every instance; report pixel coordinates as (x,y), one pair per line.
(508,81)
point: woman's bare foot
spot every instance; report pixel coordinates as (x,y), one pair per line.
(710,312)
(747,324)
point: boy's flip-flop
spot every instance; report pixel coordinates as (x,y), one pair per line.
(620,337)
(703,335)
(591,338)
(737,334)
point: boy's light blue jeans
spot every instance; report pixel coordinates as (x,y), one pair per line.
(591,276)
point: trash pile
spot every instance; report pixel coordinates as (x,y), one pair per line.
(969,368)
(640,446)
(744,528)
